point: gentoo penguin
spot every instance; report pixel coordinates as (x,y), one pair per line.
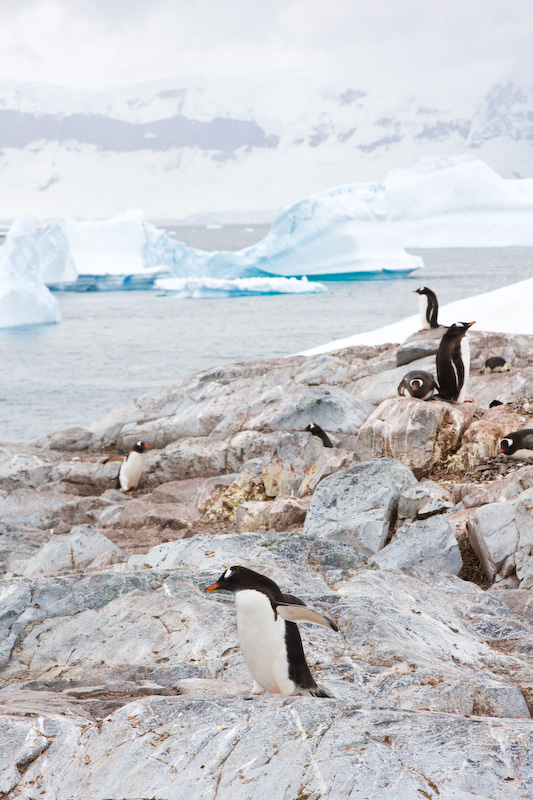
(518,444)
(132,467)
(270,641)
(316,430)
(419,384)
(453,362)
(496,364)
(429,307)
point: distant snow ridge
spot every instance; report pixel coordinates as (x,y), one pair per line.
(24,298)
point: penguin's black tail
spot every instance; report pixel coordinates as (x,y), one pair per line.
(318,691)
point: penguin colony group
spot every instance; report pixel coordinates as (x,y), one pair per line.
(269,638)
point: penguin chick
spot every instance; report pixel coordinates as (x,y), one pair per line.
(269,638)
(518,444)
(429,307)
(453,362)
(419,384)
(496,364)
(316,430)
(131,470)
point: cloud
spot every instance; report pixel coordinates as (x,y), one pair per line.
(402,43)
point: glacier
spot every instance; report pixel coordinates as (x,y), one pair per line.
(236,287)
(24,298)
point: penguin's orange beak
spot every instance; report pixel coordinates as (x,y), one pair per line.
(212,588)
(471,323)
(145,447)
(500,451)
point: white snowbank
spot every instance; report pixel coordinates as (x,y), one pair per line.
(459,202)
(24,298)
(505,310)
(238,287)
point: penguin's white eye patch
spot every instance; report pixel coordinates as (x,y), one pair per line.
(507,442)
(228,573)
(416,383)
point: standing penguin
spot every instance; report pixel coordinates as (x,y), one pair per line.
(316,430)
(453,362)
(270,641)
(518,444)
(429,307)
(132,467)
(417,383)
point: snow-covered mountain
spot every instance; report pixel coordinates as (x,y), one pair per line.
(178,148)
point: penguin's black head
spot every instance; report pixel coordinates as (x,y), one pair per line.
(416,383)
(460,328)
(507,446)
(311,428)
(140,447)
(422,290)
(236,579)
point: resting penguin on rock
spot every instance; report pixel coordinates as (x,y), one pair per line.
(316,430)
(496,364)
(419,384)
(131,470)
(429,307)
(270,641)
(453,362)
(518,444)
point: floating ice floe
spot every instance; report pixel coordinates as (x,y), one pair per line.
(24,298)
(237,287)
(459,202)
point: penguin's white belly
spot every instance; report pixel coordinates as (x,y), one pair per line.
(131,471)
(465,356)
(262,640)
(423,307)
(522,455)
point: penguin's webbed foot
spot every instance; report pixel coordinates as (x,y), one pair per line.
(257,688)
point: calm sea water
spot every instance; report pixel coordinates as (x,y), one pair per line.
(112,347)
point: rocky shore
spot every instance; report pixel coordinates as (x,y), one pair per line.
(121,679)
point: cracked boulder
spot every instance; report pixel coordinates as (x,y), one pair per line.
(417,433)
(359,505)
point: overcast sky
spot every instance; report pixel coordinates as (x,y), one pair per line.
(96,44)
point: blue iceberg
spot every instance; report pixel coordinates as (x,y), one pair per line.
(342,234)
(24,298)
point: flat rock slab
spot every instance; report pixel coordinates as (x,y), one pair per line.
(268,748)
(358,505)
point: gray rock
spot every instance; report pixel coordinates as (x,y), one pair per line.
(429,544)
(328,406)
(84,548)
(423,500)
(417,433)
(358,505)
(23,467)
(419,345)
(501,531)
(277,515)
